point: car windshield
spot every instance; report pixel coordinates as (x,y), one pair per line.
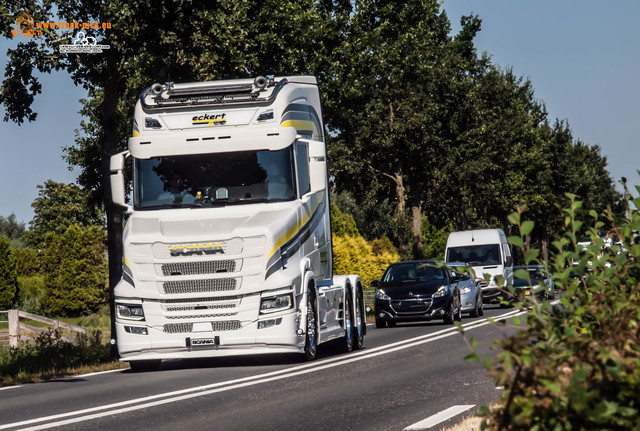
(203,180)
(535,274)
(411,272)
(475,255)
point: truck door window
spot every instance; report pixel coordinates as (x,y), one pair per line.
(302,168)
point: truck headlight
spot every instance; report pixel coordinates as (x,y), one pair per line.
(130,311)
(272,304)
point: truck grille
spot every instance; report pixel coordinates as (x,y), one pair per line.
(199,286)
(229,325)
(198,268)
(176,328)
(191,304)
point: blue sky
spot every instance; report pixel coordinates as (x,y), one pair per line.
(582,58)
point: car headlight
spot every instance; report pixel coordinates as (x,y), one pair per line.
(276,303)
(441,292)
(381,295)
(465,290)
(130,311)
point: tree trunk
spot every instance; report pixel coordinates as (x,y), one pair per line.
(416,231)
(110,146)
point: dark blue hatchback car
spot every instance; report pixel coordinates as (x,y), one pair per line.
(416,291)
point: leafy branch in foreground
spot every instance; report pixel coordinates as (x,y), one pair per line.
(576,365)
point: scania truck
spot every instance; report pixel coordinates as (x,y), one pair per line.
(227,244)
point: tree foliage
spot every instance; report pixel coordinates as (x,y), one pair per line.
(8,275)
(576,365)
(75,271)
(13,229)
(59,206)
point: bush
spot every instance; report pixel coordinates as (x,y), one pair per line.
(8,275)
(30,292)
(49,353)
(28,260)
(354,255)
(576,366)
(75,271)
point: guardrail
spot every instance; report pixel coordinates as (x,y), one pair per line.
(15,332)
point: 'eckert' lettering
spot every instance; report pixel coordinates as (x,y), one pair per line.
(209,117)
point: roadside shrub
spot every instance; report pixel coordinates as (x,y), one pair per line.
(576,365)
(8,275)
(354,255)
(30,292)
(50,353)
(75,272)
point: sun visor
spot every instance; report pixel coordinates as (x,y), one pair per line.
(211,141)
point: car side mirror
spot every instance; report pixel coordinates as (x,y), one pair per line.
(375,283)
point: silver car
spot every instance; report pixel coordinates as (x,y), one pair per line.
(470,291)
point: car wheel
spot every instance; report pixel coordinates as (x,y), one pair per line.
(481,309)
(311,339)
(458,314)
(391,323)
(448,318)
(476,309)
(380,323)
(358,323)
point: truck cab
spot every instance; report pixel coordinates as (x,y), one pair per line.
(227,247)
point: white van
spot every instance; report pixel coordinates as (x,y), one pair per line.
(487,251)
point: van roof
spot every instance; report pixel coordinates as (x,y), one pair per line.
(476,236)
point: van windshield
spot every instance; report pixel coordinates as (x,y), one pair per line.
(475,255)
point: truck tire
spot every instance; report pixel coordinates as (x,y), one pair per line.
(145,365)
(311,339)
(358,323)
(347,340)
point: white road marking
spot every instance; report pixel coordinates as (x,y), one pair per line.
(180,395)
(438,418)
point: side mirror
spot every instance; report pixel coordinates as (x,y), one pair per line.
(117,180)
(317,166)
(508,261)
(375,283)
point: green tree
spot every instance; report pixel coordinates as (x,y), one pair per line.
(59,206)
(75,271)
(385,105)
(8,275)
(13,229)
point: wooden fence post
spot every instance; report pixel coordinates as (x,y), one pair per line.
(14,328)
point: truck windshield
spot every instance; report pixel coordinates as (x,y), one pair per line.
(475,255)
(205,180)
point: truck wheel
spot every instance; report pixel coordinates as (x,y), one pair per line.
(311,339)
(146,365)
(358,321)
(347,341)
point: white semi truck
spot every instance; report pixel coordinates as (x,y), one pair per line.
(227,246)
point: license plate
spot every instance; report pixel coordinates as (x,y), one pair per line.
(199,342)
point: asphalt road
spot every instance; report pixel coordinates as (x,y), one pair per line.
(404,375)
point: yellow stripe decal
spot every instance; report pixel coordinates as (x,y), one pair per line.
(301,125)
(295,229)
